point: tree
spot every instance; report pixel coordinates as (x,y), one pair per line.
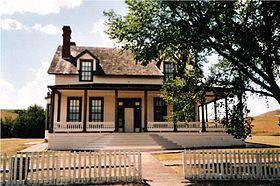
(6,126)
(30,122)
(246,33)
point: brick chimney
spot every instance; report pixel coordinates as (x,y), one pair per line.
(66,42)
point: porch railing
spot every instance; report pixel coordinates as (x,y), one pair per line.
(101,126)
(184,126)
(160,126)
(71,127)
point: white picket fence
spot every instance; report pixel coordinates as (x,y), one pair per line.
(62,168)
(231,164)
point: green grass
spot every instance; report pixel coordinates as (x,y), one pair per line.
(12,145)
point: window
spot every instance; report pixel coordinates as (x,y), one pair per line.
(96,108)
(86,70)
(168,70)
(74,109)
(160,109)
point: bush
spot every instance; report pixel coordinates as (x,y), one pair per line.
(29,123)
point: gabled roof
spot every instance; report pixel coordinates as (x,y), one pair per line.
(110,60)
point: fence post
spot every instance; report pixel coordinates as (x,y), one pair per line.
(190,164)
(4,168)
(139,166)
(213,164)
(269,163)
(184,164)
(258,165)
(115,164)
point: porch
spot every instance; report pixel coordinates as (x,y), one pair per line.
(122,108)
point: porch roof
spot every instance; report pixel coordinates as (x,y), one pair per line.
(102,86)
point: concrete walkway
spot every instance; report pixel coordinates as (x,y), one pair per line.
(155,173)
(40,147)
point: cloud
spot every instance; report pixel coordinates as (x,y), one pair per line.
(47,29)
(12,24)
(33,92)
(99,35)
(41,7)
(6,91)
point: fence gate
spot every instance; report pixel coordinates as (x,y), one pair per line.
(231,164)
(70,167)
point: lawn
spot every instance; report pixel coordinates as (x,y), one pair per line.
(177,157)
(267,140)
(12,145)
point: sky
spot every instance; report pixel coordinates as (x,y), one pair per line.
(31,30)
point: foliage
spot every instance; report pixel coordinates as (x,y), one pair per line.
(238,123)
(246,33)
(6,126)
(30,122)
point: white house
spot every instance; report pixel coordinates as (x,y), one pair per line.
(100,90)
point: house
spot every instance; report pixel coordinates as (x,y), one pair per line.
(100,90)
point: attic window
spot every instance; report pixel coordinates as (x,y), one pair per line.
(168,70)
(86,70)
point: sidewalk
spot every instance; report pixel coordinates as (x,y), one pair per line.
(156,174)
(40,147)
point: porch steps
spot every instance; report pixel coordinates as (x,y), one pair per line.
(131,141)
(165,143)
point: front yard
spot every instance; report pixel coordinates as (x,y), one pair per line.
(12,145)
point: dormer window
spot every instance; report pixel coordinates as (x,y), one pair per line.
(86,70)
(168,70)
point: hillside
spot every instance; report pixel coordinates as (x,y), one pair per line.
(6,113)
(267,123)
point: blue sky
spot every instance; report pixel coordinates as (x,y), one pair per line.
(30,34)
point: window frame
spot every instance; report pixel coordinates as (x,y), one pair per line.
(90,119)
(163,107)
(170,73)
(81,71)
(68,108)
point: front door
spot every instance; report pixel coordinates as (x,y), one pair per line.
(129,119)
(129,114)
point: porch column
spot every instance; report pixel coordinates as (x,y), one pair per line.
(52,112)
(202,118)
(58,106)
(226,105)
(198,114)
(215,110)
(145,112)
(85,111)
(206,113)
(116,111)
